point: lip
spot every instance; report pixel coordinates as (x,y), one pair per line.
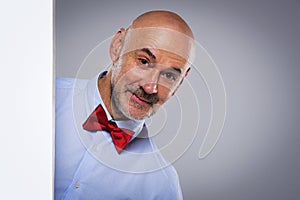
(139,100)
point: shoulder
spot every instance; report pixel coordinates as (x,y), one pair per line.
(171,174)
(69,83)
(66,86)
(65,89)
(171,183)
(61,82)
(168,176)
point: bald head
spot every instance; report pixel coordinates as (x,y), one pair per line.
(162,19)
(151,58)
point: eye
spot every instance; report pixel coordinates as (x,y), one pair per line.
(143,61)
(170,76)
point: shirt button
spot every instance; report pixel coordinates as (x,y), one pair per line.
(77,184)
(94,148)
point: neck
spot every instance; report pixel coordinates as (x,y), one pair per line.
(105,90)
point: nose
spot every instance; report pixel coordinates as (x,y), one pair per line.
(149,83)
(150,88)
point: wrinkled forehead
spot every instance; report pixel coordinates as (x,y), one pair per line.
(161,39)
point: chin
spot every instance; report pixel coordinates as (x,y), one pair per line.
(138,115)
(134,111)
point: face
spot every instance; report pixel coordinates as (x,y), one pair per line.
(143,80)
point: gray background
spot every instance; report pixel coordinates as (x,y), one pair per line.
(256,45)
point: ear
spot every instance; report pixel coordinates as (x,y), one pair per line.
(186,73)
(116,44)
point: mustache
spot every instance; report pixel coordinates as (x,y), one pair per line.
(141,93)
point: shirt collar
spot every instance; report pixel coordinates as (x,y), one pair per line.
(94,99)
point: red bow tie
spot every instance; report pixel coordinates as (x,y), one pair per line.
(98,121)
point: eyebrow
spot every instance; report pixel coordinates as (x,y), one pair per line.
(177,69)
(147,51)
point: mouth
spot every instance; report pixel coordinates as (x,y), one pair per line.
(139,100)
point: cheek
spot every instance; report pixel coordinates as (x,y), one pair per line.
(129,72)
(163,93)
(134,76)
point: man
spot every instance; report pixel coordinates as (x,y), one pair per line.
(102,146)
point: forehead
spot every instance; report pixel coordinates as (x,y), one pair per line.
(160,41)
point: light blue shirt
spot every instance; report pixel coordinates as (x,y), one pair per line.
(87,165)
